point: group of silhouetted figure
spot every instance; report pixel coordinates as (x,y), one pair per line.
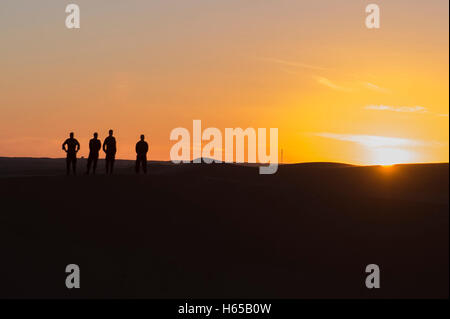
(71,146)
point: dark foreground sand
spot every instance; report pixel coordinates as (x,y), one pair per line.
(207,231)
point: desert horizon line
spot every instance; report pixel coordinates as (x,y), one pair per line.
(223,162)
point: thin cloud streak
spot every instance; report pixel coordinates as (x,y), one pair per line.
(373,141)
(295,64)
(330,84)
(323,80)
(375,87)
(403,109)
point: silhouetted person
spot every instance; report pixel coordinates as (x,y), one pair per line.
(72,148)
(109,147)
(94,147)
(141,158)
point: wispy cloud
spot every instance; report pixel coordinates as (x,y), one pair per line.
(324,81)
(404,109)
(378,141)
(374,87)
(295,64)
(356,84)
(407,109)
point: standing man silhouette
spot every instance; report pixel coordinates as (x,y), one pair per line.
(72,148)
(94,147)
(141,158)
(109,147)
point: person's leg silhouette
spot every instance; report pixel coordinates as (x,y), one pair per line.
(111,167)
(107,165)
(71,163)
(137,164)
(74,165)
(89,163)
(67,165)
(94,160)
(144,164)
(141,161)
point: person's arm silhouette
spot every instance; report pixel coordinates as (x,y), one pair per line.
(64,146)
(77,146)
(104,146)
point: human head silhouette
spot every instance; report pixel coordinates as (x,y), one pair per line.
(95,135)
(142,137)
(71,134)
(110,132)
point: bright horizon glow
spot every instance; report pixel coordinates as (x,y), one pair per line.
(384,150)
(391,156)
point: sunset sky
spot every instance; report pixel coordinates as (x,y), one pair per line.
(335,90)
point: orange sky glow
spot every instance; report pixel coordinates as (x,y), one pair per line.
(335,90)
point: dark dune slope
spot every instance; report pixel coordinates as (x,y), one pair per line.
(198,230)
